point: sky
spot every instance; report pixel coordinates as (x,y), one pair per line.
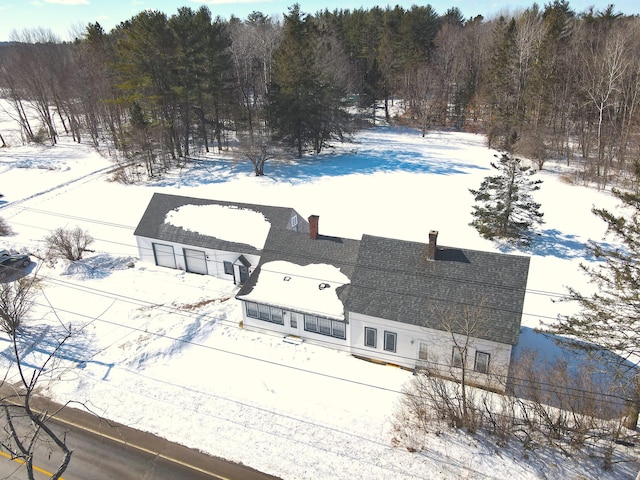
(163,350)
(67,17)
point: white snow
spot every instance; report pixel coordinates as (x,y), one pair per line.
(309,288)
(228,223)
(161,350)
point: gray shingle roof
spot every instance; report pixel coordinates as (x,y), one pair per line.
(394,280)
(152,224)
(299,249)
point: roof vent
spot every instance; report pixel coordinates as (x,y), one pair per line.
(322,286)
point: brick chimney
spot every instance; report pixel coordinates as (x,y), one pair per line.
(313,226)
(431,248)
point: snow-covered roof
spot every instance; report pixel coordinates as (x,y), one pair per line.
(225,222)
(214,224)
(309,288)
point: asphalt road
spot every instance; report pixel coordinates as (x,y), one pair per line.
(106,451)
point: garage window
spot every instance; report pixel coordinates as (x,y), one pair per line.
(228,268)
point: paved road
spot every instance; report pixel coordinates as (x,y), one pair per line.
(106,451)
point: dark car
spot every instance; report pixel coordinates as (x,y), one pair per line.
(12,262)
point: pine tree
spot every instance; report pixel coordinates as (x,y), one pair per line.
(609,318)
(304,105)
(507,208)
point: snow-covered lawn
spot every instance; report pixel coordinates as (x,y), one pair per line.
(162,351)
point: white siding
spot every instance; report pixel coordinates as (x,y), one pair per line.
(214,258)
(439,345)
(262,326)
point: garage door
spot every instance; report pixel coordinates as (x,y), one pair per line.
(196,261)
(164,255)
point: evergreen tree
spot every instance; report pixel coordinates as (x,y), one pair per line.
(304,105)
(609,317)
(501,87)
(507,209)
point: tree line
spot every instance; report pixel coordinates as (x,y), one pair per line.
(545,82)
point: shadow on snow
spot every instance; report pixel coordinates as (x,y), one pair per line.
(39,342)
(593,370)
(554,243)
(386,155)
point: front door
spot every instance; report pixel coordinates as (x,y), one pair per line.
(244,273)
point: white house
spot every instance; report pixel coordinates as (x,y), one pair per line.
(422,305)
(209,237)
(409,304)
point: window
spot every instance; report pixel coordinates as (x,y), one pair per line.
(324,326)
(482,362)
(276,315)
(228,268)
(390,341)
(423,352)
(310,323)
(339,330)
(370,335)
(294,222)
(457,359)
(264,312)
(252,310)
(293,320)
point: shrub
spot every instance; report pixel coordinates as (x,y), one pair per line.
(5,229)
(69,244)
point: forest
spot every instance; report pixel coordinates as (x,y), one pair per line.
(542,83)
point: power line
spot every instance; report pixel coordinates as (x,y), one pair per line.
(219,320)
(216,319)
(351,264)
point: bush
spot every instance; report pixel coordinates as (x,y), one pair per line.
(69,244)
(5,229)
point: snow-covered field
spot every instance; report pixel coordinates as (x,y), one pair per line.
(162,351)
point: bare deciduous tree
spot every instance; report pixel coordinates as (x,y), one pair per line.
(258,150)
(26,428)
(69,244)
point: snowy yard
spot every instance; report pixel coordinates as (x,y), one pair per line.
(162,351)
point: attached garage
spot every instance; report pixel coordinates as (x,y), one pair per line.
(209,237)
(195,261)
(164,255)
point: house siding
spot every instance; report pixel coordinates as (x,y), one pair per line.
(439,346)
(214,258)
(263,326)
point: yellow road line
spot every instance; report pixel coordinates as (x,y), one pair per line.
(123,442)
(141,449)
(19,460)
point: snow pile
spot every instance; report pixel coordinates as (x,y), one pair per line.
(232,224)
(309,288)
